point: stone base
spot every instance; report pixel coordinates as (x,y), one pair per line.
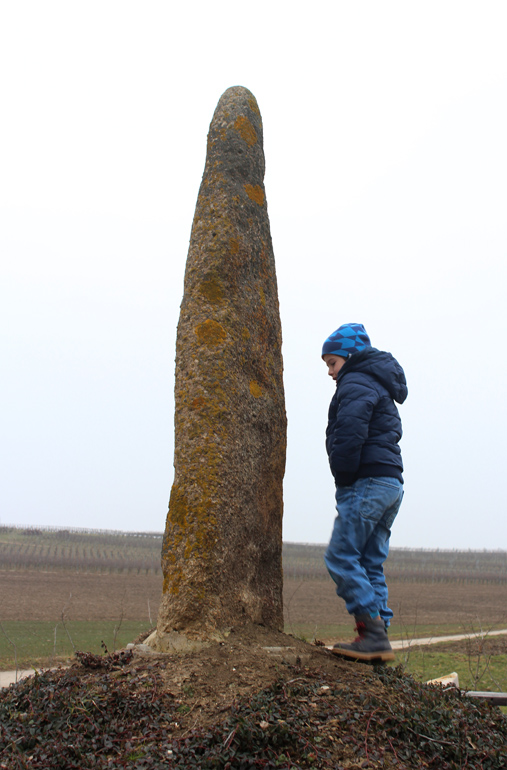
(174,642)
(287,655)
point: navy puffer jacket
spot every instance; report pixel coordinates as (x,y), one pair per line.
(364,425)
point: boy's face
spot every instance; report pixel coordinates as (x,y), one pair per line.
(334,364)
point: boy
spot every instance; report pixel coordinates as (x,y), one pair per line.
(362,436)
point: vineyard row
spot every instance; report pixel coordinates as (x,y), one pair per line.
(151,566)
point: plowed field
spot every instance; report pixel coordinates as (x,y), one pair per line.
(311,606)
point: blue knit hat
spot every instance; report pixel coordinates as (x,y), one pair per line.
(347,339)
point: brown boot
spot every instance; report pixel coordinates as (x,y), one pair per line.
(371,644)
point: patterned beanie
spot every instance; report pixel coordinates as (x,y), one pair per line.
(348,339)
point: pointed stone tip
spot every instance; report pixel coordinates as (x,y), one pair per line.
(235,139)
(237,100)
(238,93)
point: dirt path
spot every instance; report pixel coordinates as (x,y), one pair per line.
(402,644)
(10,677)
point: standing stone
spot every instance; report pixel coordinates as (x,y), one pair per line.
(222,550)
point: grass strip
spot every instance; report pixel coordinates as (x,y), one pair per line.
(26,644)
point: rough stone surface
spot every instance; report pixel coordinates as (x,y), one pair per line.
(222,549)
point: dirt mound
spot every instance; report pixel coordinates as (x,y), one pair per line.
(260,699)
(211,680)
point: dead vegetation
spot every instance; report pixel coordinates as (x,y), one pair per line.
(258,700)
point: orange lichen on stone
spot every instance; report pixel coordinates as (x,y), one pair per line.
(212,289)
(255,193)
(234,245)
(263,296)
(198,402)
(252,103)
(245,334)
(173,581)
(246,130)
(178,507)
(192,526)
(210,333)
(255,389)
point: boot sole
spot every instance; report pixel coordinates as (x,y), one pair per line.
(369,657)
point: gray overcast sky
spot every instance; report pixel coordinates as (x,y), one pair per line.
(386,181)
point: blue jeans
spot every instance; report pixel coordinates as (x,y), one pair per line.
(360,543)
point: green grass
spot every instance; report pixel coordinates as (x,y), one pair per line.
(27,644)
(423,631)
(310,632)
(475,672)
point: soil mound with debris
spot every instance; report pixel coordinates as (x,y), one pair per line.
(259,700)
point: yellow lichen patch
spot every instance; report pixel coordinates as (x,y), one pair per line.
(178,507)
(255,193)
(211,288)
(263,296)
(245,333)
(255,389)
(210,333)
(172,581)
(198,402)
(234,245)
(246,130)
(254,106)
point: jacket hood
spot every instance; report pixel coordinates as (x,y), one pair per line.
(381,365)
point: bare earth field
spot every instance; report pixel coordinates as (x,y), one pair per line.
(39,596)
(311,606)
(437,607)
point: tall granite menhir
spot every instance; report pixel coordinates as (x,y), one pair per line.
(222,548)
